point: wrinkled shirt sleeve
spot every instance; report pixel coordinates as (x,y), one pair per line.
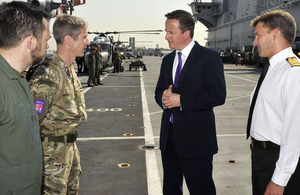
(290,144)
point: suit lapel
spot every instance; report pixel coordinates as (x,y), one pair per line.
(188,65)
(169,68)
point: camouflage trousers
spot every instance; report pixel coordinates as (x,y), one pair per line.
(61,168)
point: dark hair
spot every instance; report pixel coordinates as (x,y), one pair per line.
(186,20)
(278,19)
(19,20)
(67,25)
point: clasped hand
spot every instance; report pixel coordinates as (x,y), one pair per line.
(171,100)
(273,189)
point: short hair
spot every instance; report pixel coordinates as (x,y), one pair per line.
(278,19)
(186,20)
(67,25)
(19,20)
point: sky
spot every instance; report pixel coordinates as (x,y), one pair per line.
(131,15)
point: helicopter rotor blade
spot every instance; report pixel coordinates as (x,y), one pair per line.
(153,32)
(93,32)
(146,33)
(137,31)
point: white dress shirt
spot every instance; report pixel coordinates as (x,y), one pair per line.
(276,115)
(185,53)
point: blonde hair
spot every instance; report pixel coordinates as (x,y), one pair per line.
(67,25)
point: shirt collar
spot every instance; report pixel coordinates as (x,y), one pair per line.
(282,55)
(61,63)
(7,69)
(187,50)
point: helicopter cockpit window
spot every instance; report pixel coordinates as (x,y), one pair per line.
(105,47)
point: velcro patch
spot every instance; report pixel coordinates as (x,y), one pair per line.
(39,106)
(293,61)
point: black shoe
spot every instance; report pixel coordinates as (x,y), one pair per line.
(95,84)
(90,85)
(100,83)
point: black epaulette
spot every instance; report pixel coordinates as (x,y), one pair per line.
(293,61)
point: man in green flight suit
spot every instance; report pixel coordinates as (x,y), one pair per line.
(24,32)
(92,67)
(99,65)
(60,106)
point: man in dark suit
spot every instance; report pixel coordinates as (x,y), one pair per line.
(187,96)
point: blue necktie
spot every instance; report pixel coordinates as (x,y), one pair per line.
(177,74)
(178,70)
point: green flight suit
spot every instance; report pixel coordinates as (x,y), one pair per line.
(92,67)
(116,57)
(21,161)
(99,66)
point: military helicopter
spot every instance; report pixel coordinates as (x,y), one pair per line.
(55,8)
(107,44)
(125,51)
(121,47)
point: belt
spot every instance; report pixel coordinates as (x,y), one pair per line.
(263,144)
(68,137)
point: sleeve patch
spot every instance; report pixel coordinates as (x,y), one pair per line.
(293,61)
(39,106)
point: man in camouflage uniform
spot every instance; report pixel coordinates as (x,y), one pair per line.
(24,32)
(99,65)
(60,105)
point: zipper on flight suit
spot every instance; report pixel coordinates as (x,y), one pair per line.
(28,120)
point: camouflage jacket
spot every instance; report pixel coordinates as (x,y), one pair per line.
(116,55)
(60,109)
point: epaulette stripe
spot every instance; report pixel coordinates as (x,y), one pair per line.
(293,61)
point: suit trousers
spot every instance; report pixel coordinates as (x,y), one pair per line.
(196,171)
(263,166)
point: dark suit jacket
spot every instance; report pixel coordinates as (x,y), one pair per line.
(201,86)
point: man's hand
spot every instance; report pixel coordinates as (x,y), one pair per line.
(273,189)
(171,100)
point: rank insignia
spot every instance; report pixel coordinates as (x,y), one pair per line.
(39,106)
(293,61)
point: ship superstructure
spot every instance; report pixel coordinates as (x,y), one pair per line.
(228,21)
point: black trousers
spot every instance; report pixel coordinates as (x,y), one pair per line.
(196,171)
(263,166)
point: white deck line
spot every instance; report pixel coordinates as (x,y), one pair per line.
(143,137)
(153,178)
(241,78)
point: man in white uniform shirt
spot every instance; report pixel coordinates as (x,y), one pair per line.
(275,125)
